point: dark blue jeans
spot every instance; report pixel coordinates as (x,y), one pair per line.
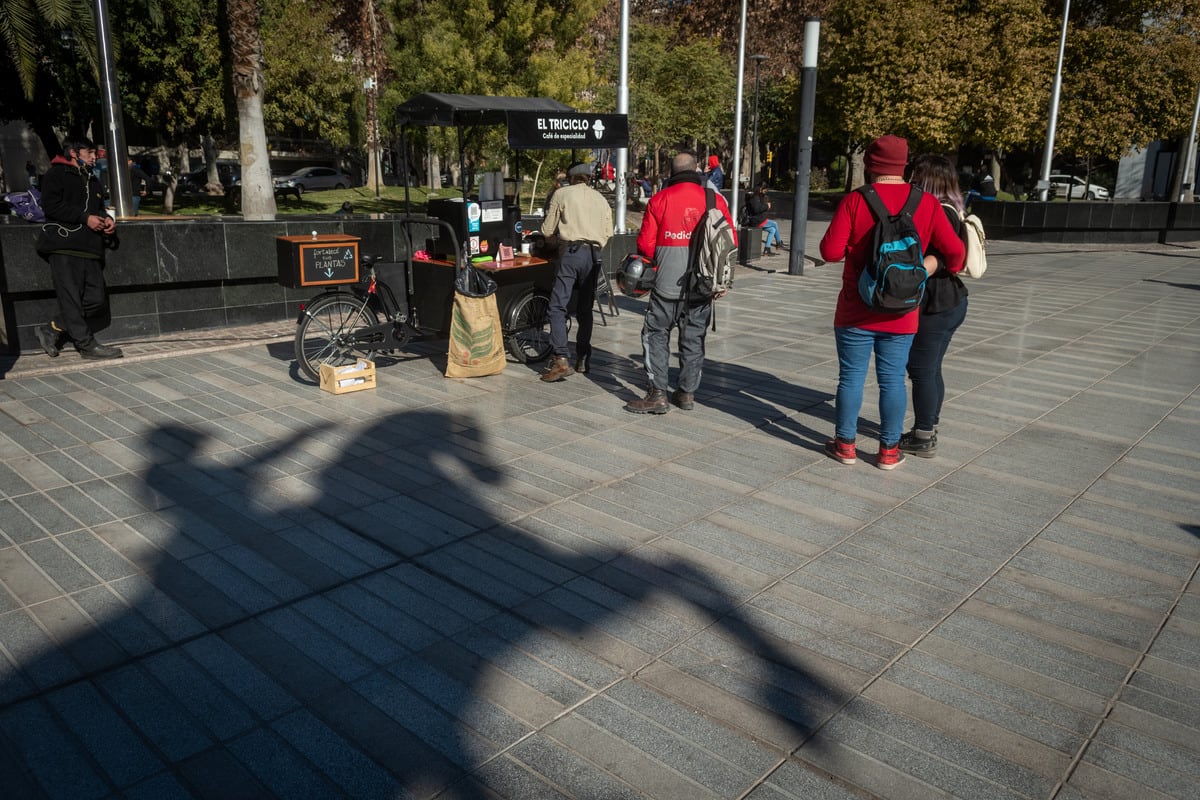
(925,363)
(577,271)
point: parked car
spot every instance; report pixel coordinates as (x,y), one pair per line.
(307,179)
(229,173)
(1078,187)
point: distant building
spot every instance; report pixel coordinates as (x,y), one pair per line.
(1145,173)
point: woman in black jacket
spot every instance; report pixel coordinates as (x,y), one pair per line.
(943,310)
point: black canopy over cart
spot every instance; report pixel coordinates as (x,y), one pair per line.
(483,229)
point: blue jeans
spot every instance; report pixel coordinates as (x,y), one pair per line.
(772,237)
(925,363)
(854,348)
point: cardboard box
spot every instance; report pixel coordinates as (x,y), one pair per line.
(348,378)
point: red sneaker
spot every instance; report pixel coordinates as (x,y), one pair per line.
(889,457)
(842,451)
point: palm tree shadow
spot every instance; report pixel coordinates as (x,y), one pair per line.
(349,612)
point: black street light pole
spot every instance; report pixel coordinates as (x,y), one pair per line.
(754,135)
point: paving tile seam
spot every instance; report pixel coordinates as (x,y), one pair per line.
(1115,697)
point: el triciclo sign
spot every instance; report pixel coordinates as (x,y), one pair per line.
(552,130)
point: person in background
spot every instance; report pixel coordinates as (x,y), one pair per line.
(758,208)
(31,174)
(943,310)
(858,330)
(100,170)
(714,173)
(73,241)
(580,220)
(139,184)
(671,216)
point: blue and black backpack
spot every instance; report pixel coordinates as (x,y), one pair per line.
(893,281)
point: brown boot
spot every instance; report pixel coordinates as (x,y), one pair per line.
(685,400)
(559,369)
(655,402)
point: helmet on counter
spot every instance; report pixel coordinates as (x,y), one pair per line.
(636,276)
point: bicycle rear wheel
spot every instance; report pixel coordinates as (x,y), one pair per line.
(324,334)
(527,332)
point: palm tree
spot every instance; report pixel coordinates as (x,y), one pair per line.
(258,194)
(22,26)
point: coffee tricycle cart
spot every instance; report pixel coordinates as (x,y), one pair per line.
(367,306)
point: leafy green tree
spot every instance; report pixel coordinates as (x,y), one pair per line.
(173,80)
(681,92)
(535,48)
(310,82)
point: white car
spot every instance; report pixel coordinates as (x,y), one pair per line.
(308,178)
(1079,188)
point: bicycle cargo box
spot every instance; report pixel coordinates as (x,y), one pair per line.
(323,259)
(348,378)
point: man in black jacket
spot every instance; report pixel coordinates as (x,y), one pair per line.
(72,240)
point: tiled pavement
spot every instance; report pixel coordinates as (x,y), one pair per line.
(218,581)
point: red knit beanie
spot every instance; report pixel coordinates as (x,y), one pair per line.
(713,161)
(887,155)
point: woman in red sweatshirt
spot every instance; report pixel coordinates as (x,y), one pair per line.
(858,330)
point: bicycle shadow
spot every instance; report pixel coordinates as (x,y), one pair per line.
(354,613)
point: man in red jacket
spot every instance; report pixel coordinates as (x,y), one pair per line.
(666,233)
(859,331)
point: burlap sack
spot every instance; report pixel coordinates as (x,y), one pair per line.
(476,342)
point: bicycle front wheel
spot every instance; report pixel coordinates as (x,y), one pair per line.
(325,333)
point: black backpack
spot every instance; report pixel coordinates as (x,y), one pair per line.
(893,280)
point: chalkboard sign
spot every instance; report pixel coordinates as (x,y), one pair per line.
(322,260)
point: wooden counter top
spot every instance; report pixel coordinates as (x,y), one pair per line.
(517,262)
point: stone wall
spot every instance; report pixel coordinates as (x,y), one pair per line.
(169,276)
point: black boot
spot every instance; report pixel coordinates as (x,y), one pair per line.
(48,338)
(100,351)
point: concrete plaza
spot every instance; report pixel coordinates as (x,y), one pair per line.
(217,581)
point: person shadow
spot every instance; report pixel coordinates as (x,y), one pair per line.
(761,399)
(380,613)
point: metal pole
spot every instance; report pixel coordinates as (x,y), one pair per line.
(737,123)
(754,136)
(110,108)
(1043,186)
(623,108)
(808,104)
(1189,169)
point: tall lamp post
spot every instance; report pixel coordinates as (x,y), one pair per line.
(804,144)
(754,135)
(1043,185)
(110,106)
